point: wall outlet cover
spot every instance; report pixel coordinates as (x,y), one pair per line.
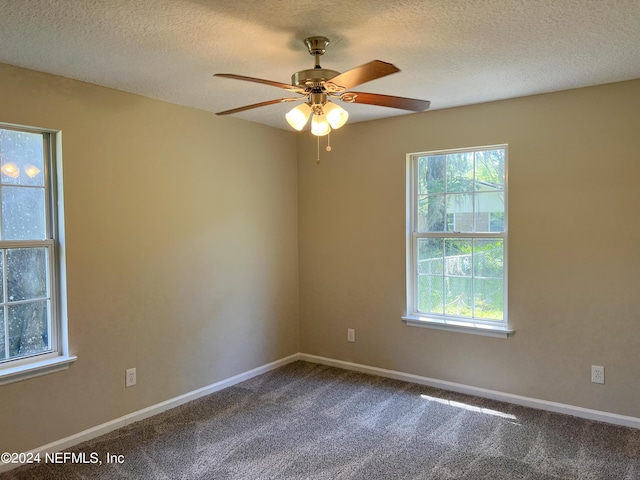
(597,373)
(130,377)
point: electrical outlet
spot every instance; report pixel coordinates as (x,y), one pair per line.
(351,335)
(597,374)
(130,377)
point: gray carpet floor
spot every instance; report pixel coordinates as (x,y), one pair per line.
(308,421)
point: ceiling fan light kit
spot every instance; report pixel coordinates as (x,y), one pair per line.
(318,86)
(329,114)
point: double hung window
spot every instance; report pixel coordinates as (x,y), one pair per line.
(457,240)
(31,327)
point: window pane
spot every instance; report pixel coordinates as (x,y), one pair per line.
(23,213)
(28,328)
(489,298)
(458,257)
(2,339)
(490,170)
(458,299)
(496,222)
(430,258)
(460,206)
(431,174)
(460,172)
(26,273)
(490,212)
(22,155)
(430,294)
(488,258)
(431,213)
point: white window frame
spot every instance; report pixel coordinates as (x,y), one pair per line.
(413,317)
(57,358)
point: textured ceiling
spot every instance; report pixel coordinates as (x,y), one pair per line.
(452,52)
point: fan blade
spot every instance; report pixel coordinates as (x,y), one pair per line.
(256,105)
(362,74)
(386,101)
(285,86)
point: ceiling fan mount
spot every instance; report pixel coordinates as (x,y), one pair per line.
(317,45)
(319,85)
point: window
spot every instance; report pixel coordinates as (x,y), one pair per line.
(32,333)
(457,238)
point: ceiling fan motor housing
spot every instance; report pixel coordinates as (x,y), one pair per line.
(312,76)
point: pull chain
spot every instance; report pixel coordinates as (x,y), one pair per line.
(328,148)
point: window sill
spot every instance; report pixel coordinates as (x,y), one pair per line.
(35,369)
(461,327)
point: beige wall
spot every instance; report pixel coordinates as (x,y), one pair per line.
(183,231)
(181,252)
(574,246)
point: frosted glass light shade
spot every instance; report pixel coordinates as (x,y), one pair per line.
(336,115)
(319,125)
(299,116)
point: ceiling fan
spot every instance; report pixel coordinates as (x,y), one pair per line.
(319,86)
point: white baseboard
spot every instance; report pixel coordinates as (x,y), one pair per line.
(201,392)
(581,412)
(68,442)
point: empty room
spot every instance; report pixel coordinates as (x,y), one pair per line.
(320,240)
